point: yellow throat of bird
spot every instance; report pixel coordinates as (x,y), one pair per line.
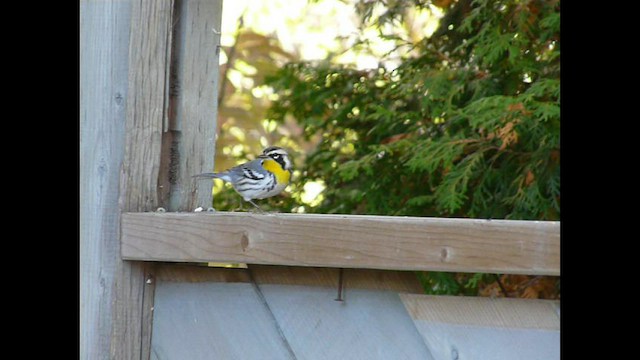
(282,175)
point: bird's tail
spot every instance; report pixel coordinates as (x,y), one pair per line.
(222,175)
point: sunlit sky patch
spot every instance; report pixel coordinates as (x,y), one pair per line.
(314,30)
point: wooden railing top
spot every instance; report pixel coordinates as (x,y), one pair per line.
(349,241)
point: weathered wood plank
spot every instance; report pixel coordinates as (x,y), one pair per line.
(193,102)
(206,320)
(486,328)
(147,103)
(148,299)
(104,48)
(117,36)
(368,324)
(349,241)
(483,311)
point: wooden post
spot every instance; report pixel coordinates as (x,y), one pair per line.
(149,59)
(129,49)
(194,103)
(104,63)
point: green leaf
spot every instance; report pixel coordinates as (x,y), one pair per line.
(420,200)
(452,192)
(431,155)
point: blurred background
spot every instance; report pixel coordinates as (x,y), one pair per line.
(401,107)
(260,39)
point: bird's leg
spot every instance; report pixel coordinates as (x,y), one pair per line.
(257,207)
(239,205)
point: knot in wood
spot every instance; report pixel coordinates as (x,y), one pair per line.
(444,254)
(244,241)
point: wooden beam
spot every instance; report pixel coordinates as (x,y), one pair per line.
(483,311)
(169,137)
(146,114)
(349,241)
(104,48)
(147,103)
(193,104)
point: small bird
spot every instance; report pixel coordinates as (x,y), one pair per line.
(261,178)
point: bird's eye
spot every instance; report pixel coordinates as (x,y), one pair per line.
(275,156)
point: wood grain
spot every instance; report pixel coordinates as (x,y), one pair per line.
(147,103)
(193,102)
(104,48)
(213,321)
(220,320)
(165,142)
(148,300)
(368,324)
(455,327)
(482,311)
(349,241)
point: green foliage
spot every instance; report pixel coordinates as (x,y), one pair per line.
(441,283)
(243,130)
(468,125)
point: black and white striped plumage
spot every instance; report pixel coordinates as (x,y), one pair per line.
(266,176)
